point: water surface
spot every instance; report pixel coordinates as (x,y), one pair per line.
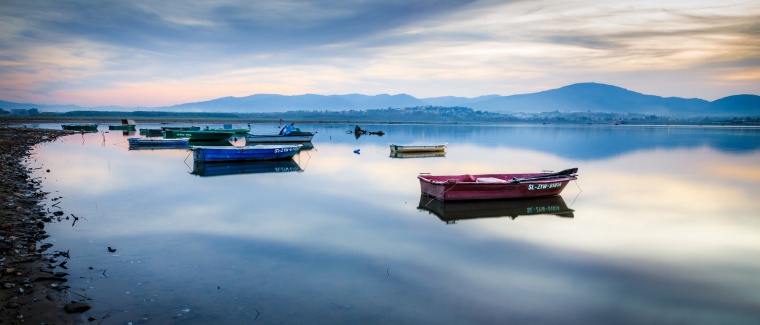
(664,228)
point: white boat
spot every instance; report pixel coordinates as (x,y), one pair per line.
(296,135)
(418,148)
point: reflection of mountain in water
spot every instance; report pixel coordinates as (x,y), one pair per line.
(452,211)
(244,167)
(580,141)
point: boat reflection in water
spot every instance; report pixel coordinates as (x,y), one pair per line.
(160,143)
(244,167)
(156,147)
(396,154)
(451,211)
(220,143)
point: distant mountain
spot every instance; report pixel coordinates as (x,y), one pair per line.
(282,103)
(737,104)
(597,97)
(59,107)
(593,97)
(580,97)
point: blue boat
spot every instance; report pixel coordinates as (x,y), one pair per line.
(244,153)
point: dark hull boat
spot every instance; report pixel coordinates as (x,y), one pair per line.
(180,128)
(126,125)
(152,132)
(495,186)
(198,135)
(80,127)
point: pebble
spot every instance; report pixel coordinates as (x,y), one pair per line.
(21,223)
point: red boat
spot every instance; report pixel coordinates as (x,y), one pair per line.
(495,186)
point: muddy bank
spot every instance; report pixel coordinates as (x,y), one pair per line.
(32,289)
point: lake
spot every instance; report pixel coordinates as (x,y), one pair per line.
(662,226)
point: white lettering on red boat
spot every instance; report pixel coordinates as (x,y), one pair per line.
(532,187)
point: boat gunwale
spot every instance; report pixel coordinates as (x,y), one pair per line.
(258,146)
(453,179)
(417,148)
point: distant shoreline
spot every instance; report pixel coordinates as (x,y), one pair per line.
(108,120)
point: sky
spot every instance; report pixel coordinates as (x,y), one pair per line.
(155,53)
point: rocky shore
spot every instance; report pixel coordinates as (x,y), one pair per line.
(32,291)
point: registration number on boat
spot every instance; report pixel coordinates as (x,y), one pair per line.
(278,150)
(532,187)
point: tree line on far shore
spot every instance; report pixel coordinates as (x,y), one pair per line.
(424,114)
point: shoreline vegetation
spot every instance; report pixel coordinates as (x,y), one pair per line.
(414,115)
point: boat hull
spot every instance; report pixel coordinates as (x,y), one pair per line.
(234,131)
(129,127)
(492,186)
(81,127)
(180,128)
(246,153)
(261,138)
(199,135)
(417,149)
(152,132)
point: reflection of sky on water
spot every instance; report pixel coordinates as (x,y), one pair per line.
(660,233)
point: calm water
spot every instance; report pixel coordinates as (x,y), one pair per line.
(665,228)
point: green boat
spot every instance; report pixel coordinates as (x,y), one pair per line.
(80,127)
(126,125)
(122,127)
(152,132)
(199,135)
(228,128)
(180,128)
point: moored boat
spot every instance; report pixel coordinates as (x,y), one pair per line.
(152,132)
(180,128)
(244,153)
(495,186)
(126,125)
(229,128)
(295,135)
(80,127)
(198,135)
(451,211)
(158,143)
(418,148)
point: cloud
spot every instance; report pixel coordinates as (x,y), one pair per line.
(455,47)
